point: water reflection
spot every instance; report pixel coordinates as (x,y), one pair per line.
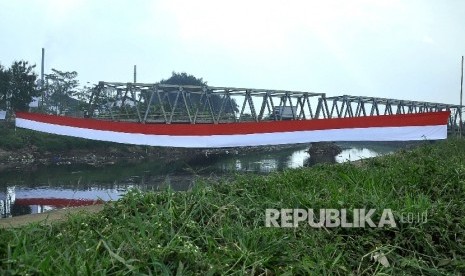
(7,199)
(61,186)
(354,154)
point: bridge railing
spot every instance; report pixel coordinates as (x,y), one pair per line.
(149,103)
(355,106)
(164,103)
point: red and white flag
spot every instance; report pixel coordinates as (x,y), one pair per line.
(403,127)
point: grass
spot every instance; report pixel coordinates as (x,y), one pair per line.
(12,138)
(219,228)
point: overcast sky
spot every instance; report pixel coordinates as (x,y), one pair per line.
(399,49)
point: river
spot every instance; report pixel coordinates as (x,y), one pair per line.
(53,187)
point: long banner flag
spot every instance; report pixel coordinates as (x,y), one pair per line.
(402,127)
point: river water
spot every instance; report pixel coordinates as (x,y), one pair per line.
(68,185)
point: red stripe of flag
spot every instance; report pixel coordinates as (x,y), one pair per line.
(57,202)
(401,120)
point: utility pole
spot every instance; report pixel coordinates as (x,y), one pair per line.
(42,68)
(135,74)
(461,97)
(42,80)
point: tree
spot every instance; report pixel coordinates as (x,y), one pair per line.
(17,86)
(83,96)
(22,85)
(60,89)
(4,86)
(185,79)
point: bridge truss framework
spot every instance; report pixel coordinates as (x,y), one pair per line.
(164,103)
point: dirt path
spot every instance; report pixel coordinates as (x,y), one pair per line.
(48,217)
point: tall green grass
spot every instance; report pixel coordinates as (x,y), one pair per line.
(219,228)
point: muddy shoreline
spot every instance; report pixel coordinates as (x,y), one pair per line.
(31,158)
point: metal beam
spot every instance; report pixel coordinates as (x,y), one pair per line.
(213,104)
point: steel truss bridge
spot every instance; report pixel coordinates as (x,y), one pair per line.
(169,104)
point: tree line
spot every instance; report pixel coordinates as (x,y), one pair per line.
(61,92)
(20,86)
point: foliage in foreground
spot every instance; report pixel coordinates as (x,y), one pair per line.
(220,228)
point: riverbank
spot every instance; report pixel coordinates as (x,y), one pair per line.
(219,227)
(50,217)
(22,149)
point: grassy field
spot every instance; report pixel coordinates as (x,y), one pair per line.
(219,228)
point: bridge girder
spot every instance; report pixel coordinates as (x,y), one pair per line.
(165,103)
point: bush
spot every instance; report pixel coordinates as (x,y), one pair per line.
(9,139)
